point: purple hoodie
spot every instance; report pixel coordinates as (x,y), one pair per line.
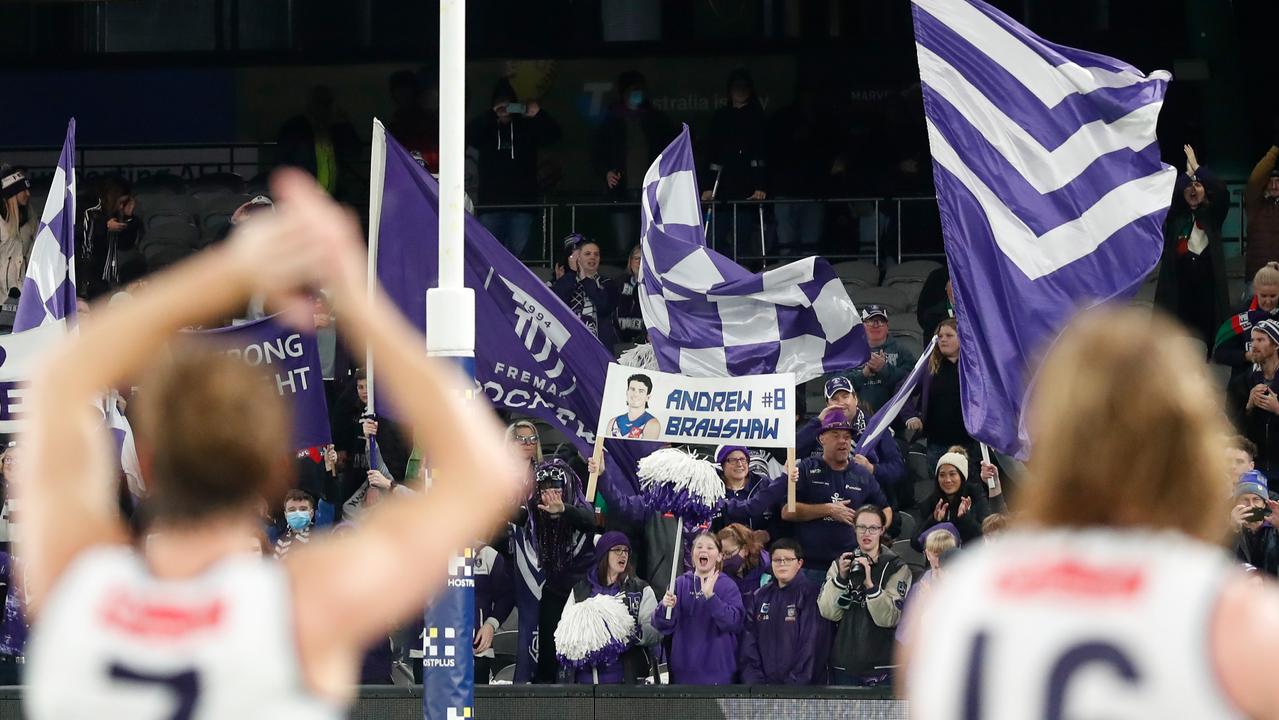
(780,639)
(704,648)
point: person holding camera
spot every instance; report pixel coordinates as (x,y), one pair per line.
(508,140)
(1254,398)
(1256,539)
(863,595)
(827,489)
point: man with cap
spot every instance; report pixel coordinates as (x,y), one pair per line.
(828,491)
(889,363)
(1256,540)
(883,459)
(1255,396)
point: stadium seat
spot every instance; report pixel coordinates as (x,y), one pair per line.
(911,272)
(905,325)
(505,676)
(544,273)
(857,272)
(215,213)
(167,243)
(159,183)
(166,209)
(218,183)
(814,393)
(893,299)
(1235,267)
(908,525)
(506,642)
(909,555)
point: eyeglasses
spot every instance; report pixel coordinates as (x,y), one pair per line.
(526,439)
(785,561)
(619,551)
(869,529)
(736,461)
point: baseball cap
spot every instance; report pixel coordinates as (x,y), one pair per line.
(871,311)
(836,384)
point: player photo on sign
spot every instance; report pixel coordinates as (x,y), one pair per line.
(650,405)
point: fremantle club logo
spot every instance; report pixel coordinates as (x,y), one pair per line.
(461,572)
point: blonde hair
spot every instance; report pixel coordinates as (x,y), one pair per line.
(1126,388)
(939,541)
(11,217)
(1268,274)
(936,358)
(510,436)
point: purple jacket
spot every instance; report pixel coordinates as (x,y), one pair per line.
(704,648)
(780,638)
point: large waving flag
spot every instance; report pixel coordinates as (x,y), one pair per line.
(533,356)
(709,317)
(1051,190)
(888,412)
(48,293)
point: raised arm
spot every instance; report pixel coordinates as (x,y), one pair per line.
(66,482)
(363,585)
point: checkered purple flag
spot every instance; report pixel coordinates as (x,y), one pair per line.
(709,317)
(48,293)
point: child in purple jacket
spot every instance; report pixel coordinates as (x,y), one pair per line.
(706,618)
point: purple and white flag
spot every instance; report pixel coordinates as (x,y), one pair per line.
(533,356)
(709,317)
(1051,190)
(48,292)
(888,412)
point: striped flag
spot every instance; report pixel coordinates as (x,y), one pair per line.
(48,293)
(888,412)
(1051,190)
(709,317)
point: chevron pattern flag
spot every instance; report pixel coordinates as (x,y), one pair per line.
(48,293)
(1051,190)
(709,317)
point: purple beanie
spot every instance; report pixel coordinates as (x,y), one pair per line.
(608,541)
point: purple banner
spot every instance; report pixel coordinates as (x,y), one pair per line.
(290,359)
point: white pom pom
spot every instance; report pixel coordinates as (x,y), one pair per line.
(640,356)
(590,626)
(682,471)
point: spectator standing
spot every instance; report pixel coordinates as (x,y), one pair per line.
(299,518)
(632,134)
(591,296)
(552,544)
(828,489)
(737,152)
(706,618)
(863,595)
(509,139)
(936,300)
(494,601)
(1261,204)
(1234,337)
(1192,275)
(323,142)
(782,620)
(1253,396)
(1256,540)
(630,319)
(613,574)
(955,500)
(882,460)
(749,497)
(17,227)
(888,365)
(802,141)
(109,252)
(936,409)
(745,559)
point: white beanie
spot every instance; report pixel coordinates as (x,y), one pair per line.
(953,458)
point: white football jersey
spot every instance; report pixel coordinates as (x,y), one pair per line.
(1086,624)
(112,641)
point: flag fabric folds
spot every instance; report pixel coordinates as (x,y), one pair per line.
(1051,190)
(709,317)
(48,292)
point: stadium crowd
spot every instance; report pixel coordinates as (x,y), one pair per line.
(766,595)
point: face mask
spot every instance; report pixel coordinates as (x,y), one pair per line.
(733,564)
(298,519)
(634,99)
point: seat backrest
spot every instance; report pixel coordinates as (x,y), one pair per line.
(911,271)
(161,209)
(893,299)
(857,272)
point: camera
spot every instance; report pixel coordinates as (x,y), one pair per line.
(1258,514)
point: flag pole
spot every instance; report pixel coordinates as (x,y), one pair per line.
(449,691)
